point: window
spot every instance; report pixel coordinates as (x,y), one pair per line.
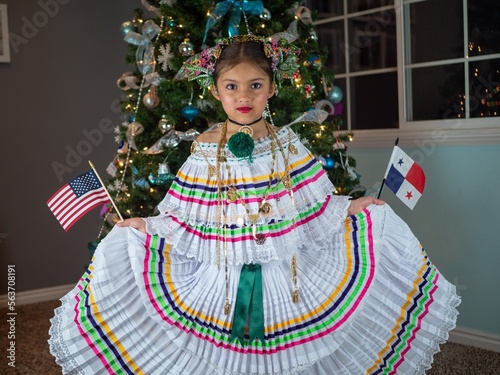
(411,66)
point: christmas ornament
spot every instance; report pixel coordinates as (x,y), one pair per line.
(308,89)
(165,57)
(142,183)
(186,48)
(329,162)
(164,125)
(164,175)
(126,27)
(190,112)
(335,95)
(313,61)
(134,128)
(151,99)
(265,15)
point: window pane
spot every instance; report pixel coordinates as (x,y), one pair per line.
(326,9)
(484,88)
(437,92)
(360,5)
(374,101)
(436,30)
(331,36)
(372,41)
(484,27)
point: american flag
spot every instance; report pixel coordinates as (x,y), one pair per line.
(76,198)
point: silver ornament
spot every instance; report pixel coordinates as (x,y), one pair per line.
(265,15)
(151,99)
(186,48)
(164,125)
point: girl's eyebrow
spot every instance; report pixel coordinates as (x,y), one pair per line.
(236,80)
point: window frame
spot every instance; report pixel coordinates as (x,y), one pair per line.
(428,133)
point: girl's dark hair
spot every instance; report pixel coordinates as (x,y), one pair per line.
(235,53)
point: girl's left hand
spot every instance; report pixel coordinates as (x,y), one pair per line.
(357,205)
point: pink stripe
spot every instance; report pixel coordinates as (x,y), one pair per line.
(419,325)
(88,340)
(213,237)
(212,202)
(278,348)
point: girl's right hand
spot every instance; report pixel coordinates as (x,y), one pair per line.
(135,222)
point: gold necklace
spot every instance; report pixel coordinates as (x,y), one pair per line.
(265,208)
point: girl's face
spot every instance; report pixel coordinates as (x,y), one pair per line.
(243,91)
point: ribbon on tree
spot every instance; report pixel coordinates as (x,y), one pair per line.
(249,305)
(238,7)
(171,139)
(129,81)
(145,54)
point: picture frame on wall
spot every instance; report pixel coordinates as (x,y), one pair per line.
(4,35)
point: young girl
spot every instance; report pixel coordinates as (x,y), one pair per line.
(253,265)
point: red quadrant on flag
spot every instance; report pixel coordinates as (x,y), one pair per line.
(405,178)
(76,198)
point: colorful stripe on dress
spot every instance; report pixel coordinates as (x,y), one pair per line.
(329,316)
(96,332)
(418,301)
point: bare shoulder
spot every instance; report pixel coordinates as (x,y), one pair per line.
(210,136)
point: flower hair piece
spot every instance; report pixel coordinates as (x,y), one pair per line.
(283,56)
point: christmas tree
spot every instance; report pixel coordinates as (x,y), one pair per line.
(165,114)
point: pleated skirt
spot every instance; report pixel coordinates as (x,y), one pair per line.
(370,302)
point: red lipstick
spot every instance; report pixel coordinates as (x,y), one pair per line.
(244,109)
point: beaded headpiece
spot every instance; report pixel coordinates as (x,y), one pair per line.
(283,56)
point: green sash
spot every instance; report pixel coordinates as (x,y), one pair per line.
(249,306)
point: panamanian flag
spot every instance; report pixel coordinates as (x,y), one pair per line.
(405,178)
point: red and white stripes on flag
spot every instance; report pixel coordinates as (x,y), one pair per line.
(405,178)
(76,198)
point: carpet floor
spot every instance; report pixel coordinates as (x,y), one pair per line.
(32,355)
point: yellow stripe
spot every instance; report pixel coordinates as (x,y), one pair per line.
(111,335)
(243,180)
(226,324)
(346,278)
(180,303)
(397,326)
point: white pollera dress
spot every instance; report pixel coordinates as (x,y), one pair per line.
(370,300)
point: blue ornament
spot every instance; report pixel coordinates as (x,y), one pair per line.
(142,183)
(126,27)
(329,162)
(335,95)
(314,61)
(190,112)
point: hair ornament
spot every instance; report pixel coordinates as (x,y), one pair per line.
(283,56)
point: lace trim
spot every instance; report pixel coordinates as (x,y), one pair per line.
(58,349)
(319,233)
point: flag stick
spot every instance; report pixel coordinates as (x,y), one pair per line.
(383,181)
(106,190)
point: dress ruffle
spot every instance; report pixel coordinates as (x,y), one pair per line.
(370,301)
(188,218)
(374,305)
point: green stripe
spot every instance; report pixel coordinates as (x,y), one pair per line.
(112,361)
(413,322)
(210,196)
(290,336)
